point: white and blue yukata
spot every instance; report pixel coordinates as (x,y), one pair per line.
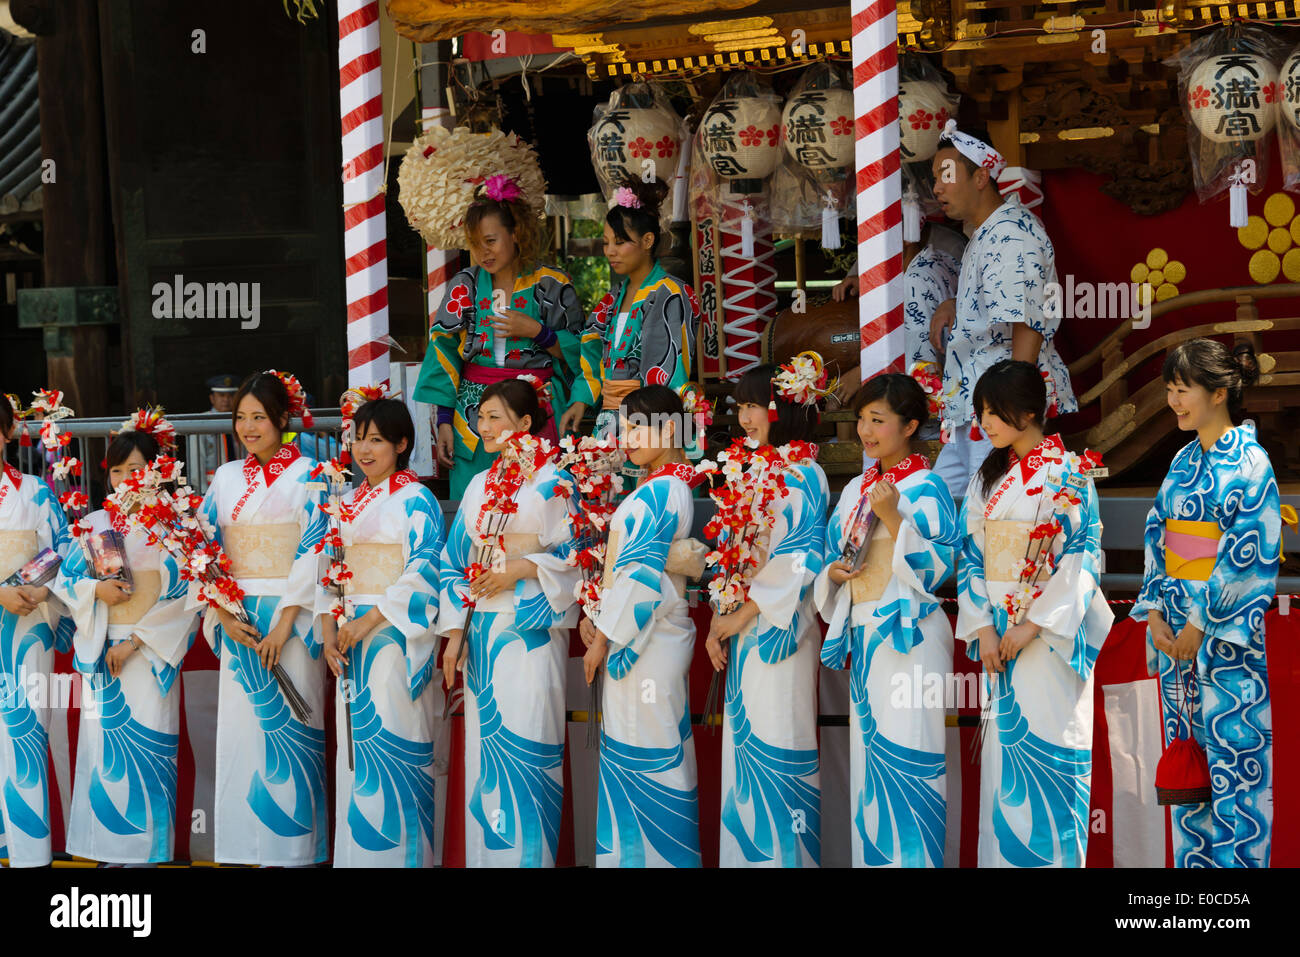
(124,797)
(898,768)
(384,807)
(30,522)
(515,673)
(1036,762)
(930,278)
(771,791)
(1213,543)
(270,804)
(648,809)
(1005,271)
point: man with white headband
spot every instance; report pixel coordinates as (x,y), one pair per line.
(999,311)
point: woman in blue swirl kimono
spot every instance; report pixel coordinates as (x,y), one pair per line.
(392,543)
(1036,759)
(270,770)
(1212,552)
(891,629)
(30,522)
(514,668)
(771,791)
(648,809)
(128,647)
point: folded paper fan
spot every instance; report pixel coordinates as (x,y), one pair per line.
(443,168)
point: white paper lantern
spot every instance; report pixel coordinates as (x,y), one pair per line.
(923,109)
(623,139)
(819,128)
(1290,80)
(739,137)
(1232,97)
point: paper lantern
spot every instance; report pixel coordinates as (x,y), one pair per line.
(739,137)
(1290,80)
(624,138)
(819,128)
(1233,97)
(923,108)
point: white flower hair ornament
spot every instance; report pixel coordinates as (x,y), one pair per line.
(801,381)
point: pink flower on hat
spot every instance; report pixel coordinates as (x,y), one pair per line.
(502,188)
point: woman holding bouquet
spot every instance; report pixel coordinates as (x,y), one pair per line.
(265,510)
(771,794)
(1030,607)
(1212,552)
(504,315)
(899,522)
(129,644)
(643,331)
(392,540)
(30,522)
(648,804)
(505,571)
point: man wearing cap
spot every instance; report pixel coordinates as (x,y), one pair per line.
(1000,310)
(219,449)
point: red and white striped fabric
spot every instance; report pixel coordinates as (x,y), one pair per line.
(748,287)
(440,264)
(365,243)
(879,186)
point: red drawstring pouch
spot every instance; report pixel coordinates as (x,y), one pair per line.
(1183,774)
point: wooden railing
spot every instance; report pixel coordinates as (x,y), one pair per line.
(1125,411)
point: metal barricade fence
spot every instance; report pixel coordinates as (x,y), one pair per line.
(204,442)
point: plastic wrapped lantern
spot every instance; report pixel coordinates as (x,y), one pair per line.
(819,128)
(739,138)
(1232,97)
(1289,125)
(631,131)
(923,108)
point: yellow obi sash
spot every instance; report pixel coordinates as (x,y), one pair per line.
(145,591)
(261,551)
(1190,549)
(614,391)
(374,567)
(16,550)
(685,560)
(1006,542)
(869,583)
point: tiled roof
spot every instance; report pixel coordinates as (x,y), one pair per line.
(20,126)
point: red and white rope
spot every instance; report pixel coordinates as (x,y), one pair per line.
(365,243)
(748,288)
(879,186)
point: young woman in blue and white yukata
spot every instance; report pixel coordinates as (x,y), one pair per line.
(270,769)
(384,805)
(1213,544)
(648,812)
(771,785)
(30,522)
(889,626)
(1036,761)
(518,640)
(128,647)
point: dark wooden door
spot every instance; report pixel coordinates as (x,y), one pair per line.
(225,169)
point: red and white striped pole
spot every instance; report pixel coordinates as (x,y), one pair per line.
(879,186)
(365,237)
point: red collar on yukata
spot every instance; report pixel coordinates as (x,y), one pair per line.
(678,470)
(365,494)
(1051,449)
(273,469)
(14,476)
(915,462)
